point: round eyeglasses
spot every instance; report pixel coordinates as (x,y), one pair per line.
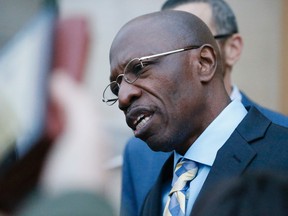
(133,69)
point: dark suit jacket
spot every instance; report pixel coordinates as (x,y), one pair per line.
(141,165)
(256,144)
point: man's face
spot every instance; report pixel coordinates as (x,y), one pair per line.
(164,105)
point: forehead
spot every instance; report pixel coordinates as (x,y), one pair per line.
(137,40)
(201,10)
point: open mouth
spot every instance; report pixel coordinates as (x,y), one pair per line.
(139,118)
(141,121)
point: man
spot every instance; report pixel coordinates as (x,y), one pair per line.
(167,76)
(138,156)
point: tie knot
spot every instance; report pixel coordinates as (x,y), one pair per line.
(185,171)
(186,167)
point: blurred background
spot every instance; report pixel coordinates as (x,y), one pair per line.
(261,73)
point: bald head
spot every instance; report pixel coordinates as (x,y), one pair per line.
(170,29)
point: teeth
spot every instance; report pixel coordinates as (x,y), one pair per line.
(142,123)
(139,117)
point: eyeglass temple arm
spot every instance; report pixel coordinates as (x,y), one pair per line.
(109,100)
(168,53)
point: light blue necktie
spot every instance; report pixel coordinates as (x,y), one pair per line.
(185,172)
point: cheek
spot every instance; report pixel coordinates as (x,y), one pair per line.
(181,88)
(177,97)
(170,91)
(174,84)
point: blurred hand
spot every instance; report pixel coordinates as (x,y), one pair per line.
(80,149)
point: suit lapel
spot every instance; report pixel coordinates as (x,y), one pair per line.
(237,153)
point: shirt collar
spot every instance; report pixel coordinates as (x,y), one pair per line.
(235,94)
(205,148)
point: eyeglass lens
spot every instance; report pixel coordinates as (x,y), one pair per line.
(133,70)
(110,94)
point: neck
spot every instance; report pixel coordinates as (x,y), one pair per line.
(217,100)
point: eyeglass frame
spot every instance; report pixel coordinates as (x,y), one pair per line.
(224,36)
(141,59)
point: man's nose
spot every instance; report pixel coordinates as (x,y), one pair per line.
(127,94)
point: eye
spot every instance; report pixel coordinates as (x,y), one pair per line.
(135,67)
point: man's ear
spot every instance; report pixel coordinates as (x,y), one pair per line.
(233,49)
(208,63)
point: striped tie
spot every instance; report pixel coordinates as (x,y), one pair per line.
(185,172)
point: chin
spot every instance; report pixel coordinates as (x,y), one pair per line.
(159,146)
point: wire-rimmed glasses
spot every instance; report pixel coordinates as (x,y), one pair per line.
(133,69)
